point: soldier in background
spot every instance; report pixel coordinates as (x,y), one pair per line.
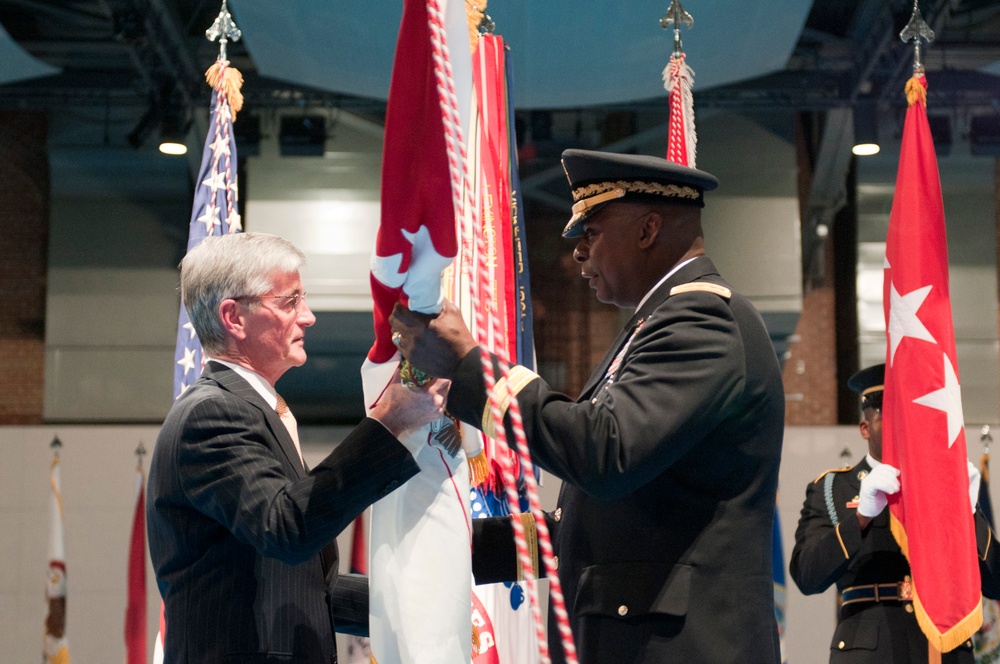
(844,537)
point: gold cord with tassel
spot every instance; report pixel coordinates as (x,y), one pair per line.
(915,90)
(227,80)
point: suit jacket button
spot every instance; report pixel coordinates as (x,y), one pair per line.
(557,515)
(389,488)
(622,610)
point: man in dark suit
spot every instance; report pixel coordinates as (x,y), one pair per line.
(669,457)
(241,534)
(844,537)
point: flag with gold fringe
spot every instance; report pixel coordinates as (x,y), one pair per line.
(922,421)
(55,647)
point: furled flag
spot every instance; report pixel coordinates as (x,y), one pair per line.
(922,423)
(502,616)
(135,608)
(420,533)
(986,642)
(214,210)
(55,649)
(359,647)
(678,80)
(778,573)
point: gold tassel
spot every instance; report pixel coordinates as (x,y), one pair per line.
(228,81)
(475,10)
(479,468)
(914,91)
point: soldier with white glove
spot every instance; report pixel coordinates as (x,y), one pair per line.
(844,538)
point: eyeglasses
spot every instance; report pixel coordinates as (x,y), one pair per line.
(292,300)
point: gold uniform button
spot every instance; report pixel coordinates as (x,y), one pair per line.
(557,515)
(622,610)
(909,608)
(862,474)
(841,645)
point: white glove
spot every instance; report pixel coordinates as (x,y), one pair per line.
(880,482)
(974,478)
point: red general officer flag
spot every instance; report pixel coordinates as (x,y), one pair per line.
(922,423)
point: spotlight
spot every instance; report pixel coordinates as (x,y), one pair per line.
(173,132)
(302,136)
(865,129)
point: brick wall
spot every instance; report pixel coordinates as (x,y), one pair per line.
(24,217)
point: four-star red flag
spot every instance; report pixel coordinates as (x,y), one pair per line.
(922,424)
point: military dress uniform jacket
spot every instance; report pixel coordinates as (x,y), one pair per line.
(831,548)
(669,461)
(243,539)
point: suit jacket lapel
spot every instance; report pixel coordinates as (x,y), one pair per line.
(232,382)
(694,270)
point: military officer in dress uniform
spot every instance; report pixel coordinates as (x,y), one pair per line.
(843,537)
(669,457)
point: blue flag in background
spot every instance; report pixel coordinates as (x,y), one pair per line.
(525,331)
(214,212)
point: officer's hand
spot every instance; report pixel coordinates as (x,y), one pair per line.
(881,482)
(435,344)
(974,478)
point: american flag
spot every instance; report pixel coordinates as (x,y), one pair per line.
(214,212)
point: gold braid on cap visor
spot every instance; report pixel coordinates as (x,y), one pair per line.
(636,187)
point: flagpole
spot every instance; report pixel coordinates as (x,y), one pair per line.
(677,80)
(923,428)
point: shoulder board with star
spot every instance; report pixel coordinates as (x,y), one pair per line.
(702,286)
(844,469)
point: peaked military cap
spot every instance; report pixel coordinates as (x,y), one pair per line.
(869,383)
(598,177)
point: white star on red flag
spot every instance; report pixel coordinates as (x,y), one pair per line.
(948,399)
(903,320)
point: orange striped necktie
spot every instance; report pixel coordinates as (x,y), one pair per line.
(285,413)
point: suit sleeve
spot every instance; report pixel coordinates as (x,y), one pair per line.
(349,601)
(683,371)
(823,551)
(230,472)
